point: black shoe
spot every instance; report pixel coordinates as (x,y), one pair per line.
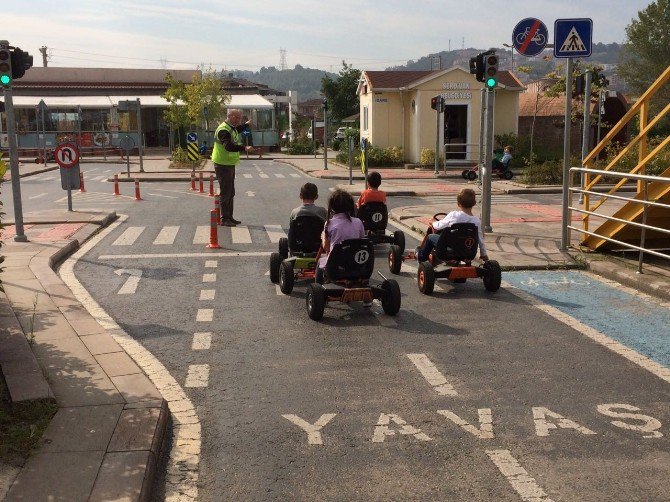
(228,223)
(237,222)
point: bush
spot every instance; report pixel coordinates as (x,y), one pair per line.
(301,146)
(180,156)
(337,143)
(428,157)
(377,157)
(655,167)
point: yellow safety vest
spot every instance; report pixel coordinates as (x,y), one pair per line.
(220,155)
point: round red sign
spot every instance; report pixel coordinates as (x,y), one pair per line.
(66,155)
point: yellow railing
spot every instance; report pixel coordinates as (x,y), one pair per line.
(640,141)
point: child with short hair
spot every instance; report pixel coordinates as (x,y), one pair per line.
(503,163)
(465,200)
(308,195)
(373,194)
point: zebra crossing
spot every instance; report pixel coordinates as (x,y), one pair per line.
(171,235)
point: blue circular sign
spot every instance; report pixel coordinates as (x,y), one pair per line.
(530,36)
(191,137)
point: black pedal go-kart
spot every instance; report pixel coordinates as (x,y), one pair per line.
(375,217)
(347,279)
(499,169)
(451,259)
(297,255)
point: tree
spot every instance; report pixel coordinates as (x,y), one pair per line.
(646,53)
(341,93)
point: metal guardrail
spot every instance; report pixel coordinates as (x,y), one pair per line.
(642,179)
(469,150)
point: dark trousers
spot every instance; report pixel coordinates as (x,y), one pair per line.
(226,177)
(429,244)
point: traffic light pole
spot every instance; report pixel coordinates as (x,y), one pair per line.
(486,168)
(482,130)
(14,166)
(140,147)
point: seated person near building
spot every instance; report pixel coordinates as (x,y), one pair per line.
(503,163)
(466,201)
(372,194)
(308,195)
(341,224)
(203,148)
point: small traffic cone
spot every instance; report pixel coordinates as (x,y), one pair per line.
(192,189)
(213,231)
(202,188)
(217,207)
(116,185)
(81,182)
(211,185)
(137,190)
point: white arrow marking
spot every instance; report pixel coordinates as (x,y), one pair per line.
(130,286)
(432,374)
(251,194)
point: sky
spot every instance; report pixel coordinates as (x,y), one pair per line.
(250,34)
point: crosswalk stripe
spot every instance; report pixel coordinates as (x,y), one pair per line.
(247,175)
(101,178)
(201,234)
(263,175)
(37,196)
(275,232)
(129,236)
(240,235)
(166,236)
(278,175)
(294,175)
(198,375)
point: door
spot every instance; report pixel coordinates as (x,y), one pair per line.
(455,131)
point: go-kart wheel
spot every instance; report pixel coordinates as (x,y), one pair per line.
(395,259)
(464,174)
(508,175)
(399,240)
(391,298)
(472,175)
(286,277)
(426,278)
(319,276)
(283,248)
(275,262)
(493,275)
(316,301)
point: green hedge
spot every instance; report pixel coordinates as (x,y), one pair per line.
(377,157)
(301,146)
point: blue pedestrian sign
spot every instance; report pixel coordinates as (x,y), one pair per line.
(530,36)
(573,38)
(191,137)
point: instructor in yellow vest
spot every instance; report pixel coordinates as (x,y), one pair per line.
(226,155)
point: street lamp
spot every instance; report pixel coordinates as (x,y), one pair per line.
(510,47)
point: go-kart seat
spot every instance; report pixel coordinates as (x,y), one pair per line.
(458,242)
(304,234)
(374,216)
(351,259)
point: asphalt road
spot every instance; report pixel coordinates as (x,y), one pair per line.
(465,395)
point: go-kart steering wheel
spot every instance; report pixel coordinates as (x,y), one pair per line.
(438,216)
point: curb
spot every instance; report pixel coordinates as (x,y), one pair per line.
(31,173)
(133,431)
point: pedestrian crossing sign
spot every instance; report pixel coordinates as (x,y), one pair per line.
(573,38)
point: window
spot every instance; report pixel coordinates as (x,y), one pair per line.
(95,120)
(365,118)
(413,107)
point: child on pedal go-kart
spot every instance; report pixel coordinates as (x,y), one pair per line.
(308,195)
(465,201)
(373,193)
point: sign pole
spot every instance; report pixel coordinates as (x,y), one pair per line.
(437,135)
(44,140)
(14,166)
(139,131)
(565,234)
(482,130)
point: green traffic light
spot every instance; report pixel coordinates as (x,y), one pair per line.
(5,79)
(491,83)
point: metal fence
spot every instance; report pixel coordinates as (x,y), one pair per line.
(644,181)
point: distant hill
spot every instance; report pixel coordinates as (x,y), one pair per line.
(306,81)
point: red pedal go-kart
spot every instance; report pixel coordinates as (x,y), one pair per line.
(450,259)
(499,169)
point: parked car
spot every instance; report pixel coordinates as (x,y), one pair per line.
(341,132)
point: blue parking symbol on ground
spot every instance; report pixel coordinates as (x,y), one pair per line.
(573,38)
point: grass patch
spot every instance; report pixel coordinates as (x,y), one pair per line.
(22,425)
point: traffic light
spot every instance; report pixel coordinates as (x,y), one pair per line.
(21,61)
(325,104)
(436,103)
(5,66)
(491,71)
(477,67)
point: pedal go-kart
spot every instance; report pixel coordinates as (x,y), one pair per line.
(451,259)
(375,217)
(297,255)
(500,170)
(347,279)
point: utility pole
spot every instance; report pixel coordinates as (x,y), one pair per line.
(325,135)
(586,133)
(485,172)
(567,202)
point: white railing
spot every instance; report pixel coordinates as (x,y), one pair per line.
(644,227)
(469,150)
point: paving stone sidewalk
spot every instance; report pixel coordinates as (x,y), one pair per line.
(104,441)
